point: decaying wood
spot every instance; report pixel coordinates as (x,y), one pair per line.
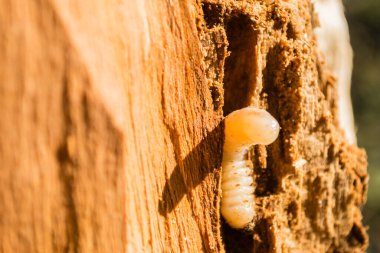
(111,128)
(334,42)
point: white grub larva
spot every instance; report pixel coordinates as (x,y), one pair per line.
(243,128)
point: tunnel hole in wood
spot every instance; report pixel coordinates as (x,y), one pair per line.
(266,181)
(264,237)
(239,82)
(213,14)
(240,69)
(357,236)
(236,241)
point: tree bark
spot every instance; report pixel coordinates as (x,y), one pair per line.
(111,128)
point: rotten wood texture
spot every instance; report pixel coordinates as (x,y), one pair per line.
(111,128)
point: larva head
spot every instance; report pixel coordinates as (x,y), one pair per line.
(250,126)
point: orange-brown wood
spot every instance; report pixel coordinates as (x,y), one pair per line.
(111,128)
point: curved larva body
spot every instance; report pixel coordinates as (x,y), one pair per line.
(243,128)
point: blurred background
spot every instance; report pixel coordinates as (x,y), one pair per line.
(363,18)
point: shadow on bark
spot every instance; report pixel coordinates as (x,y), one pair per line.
(205,158)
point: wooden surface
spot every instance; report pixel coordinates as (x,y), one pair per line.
(111,128)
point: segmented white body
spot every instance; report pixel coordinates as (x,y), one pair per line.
(243,128)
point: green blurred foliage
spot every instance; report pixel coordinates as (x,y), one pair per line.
(364,22)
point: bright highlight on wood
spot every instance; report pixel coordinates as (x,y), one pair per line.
(243,128)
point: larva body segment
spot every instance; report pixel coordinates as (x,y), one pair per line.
(243,128)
